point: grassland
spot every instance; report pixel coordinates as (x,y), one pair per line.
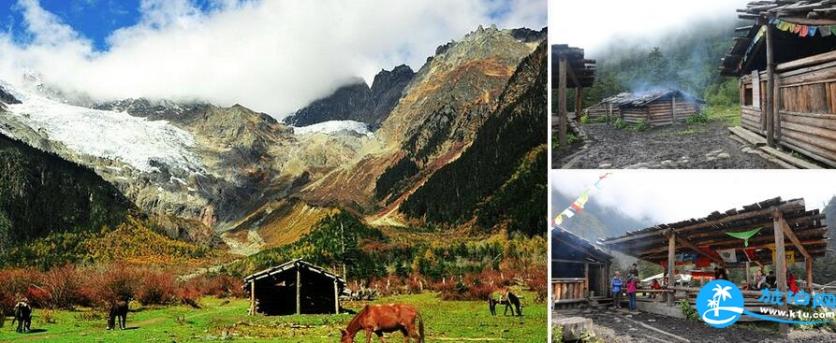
(219,319)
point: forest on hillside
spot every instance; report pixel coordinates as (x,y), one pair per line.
(688,59)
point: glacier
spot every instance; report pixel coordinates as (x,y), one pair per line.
(136,141)
(334,126)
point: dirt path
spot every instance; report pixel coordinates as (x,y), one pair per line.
(701,146)
(624,327)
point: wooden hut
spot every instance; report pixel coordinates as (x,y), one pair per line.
(570,69)
(580,270)
(786,63)
(786,228)
(657,108)
(295,287)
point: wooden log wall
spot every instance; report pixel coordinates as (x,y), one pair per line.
(598,112)
(634,115)
(569,289)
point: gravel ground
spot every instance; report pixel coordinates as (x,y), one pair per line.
(624,327)
(699,146)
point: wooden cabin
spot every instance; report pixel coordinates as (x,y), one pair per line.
(295,287)
(580,269)
(570,70)
(788,78)
(657,108)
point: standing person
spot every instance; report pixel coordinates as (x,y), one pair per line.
(632,285)
(792,282)
(616,285)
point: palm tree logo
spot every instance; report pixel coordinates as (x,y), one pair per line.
(720,303)
(721,293)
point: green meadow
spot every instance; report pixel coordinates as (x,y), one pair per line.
(227,320)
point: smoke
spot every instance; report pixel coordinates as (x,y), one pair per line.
(273,56)
(598,25)
(666,196)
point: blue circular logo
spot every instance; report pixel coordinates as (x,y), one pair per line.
(720,303)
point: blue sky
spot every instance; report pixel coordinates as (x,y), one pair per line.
(94,19)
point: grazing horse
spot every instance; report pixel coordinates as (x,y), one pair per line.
(379,319)
(118,312)
(510,300)
(23,316)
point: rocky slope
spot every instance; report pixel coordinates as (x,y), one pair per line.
(357,101)
(263,183)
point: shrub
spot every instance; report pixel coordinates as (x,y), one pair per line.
(47,317)
(687,310)
(157,288)
(643,125)
(14,283)
(620,123)
(536,281)
(64,285)
(698,118)
(585,119)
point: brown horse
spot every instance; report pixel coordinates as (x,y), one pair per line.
(386,318)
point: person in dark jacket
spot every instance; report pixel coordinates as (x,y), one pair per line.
(617,286)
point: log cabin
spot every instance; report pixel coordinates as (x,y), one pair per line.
(580,269)
(786,64)
(295,287)
(656,108)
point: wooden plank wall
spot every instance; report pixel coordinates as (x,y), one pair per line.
(600,111)
(634,114)
(807,110)
(569,289)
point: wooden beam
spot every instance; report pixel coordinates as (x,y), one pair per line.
(693,247)
(561,106)
(252,297)
(808,270)
(298,290)
(769,112)
(671,264)
(793,238)
(578,102)
(780,260)
(336,297)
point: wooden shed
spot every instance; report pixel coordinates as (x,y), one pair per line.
(786,63)
(580,270)
(657,108)
(295,287)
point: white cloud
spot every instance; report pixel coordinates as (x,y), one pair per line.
(668,196)
(274,56)
(591,24)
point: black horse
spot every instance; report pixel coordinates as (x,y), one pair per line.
(23,316)
(118,312)
(510,300)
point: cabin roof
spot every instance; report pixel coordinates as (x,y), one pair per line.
(750,43)
(582,68)
(561,234)
(292,265)
(628,99)
(711,232)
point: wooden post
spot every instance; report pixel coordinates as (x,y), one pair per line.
(298,290)
(561,106)
(578,102)
(252,297)
(336,297)
(586,279)
(770,86)
(776,109)
(808,269)
(780,259)
(671,260)
(748,282)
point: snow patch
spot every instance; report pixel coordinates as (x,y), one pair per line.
(334,126)
(107,134)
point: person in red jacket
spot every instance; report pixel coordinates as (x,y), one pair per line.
(792,283)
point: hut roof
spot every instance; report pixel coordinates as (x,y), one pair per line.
(628,99)
(291,265)
(593,250)
(741,57)
(711,232)
(583,69)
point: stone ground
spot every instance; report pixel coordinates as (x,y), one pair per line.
(621,326)
(698,146)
